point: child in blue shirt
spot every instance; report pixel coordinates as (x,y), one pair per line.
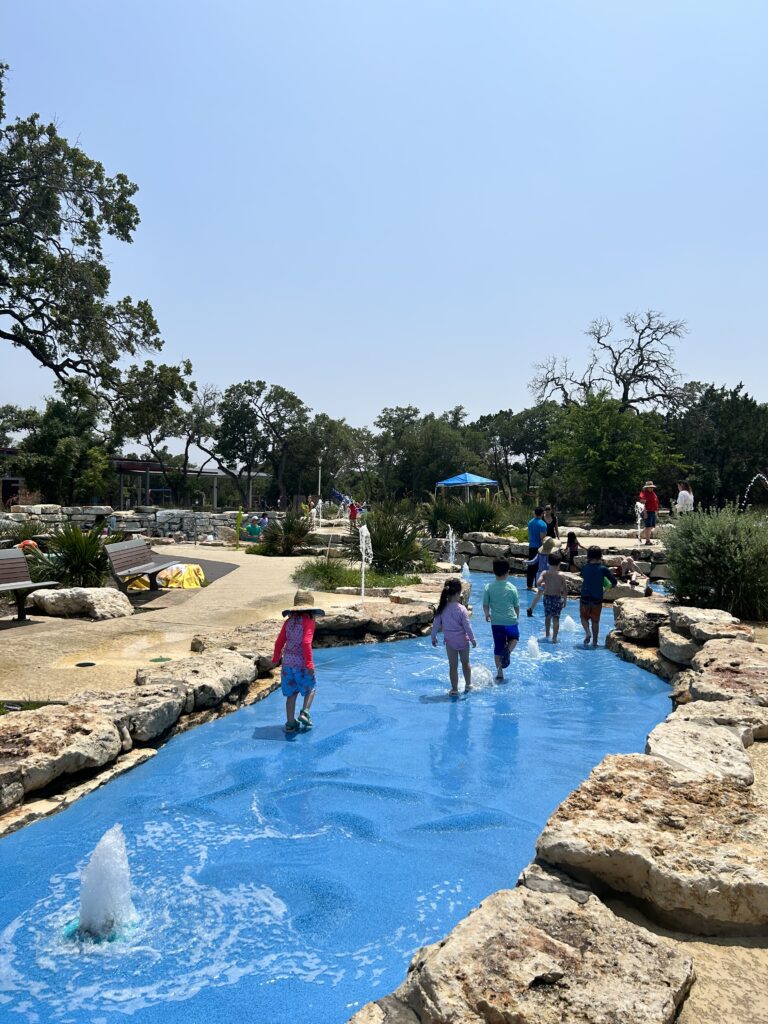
(593,575)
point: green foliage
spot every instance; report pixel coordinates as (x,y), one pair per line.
(56,205)
(75,558)
(395,539)
(601,454)
(437,514)
(328,574)
(719,559)
(17,532)
(516,444)
(282,536)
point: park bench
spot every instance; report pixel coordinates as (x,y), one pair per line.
(131,559)
(14,576)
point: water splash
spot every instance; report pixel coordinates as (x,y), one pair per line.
(533,647)
(568,625)
(451,546)
(758,476)
(639,512)
(482,677)
(465,570)
(366,557)
(105,890)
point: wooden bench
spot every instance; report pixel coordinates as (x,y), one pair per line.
(14,576)
(131,559)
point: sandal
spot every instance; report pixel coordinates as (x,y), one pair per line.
(292,726)
(305,720)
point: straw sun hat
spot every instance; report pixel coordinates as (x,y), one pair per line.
(649,485)
(303,601)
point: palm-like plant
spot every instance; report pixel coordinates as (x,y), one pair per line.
(282,536)
(395,539)
(74,557)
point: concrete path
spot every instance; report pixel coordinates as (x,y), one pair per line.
(38,657)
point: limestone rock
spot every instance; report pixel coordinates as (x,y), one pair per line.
(573,582)
(703,748)
(640,621)
(480,563)
(748,718)
(208,678)
(11,786)
(693,849)
(56,740)
(534,957)
(495,550)
(705,624)
(731,668)
(677,648)
(466,547)
(649,658)
(660,571)
(624,590)
(479,537)
(95,602)
(144,713)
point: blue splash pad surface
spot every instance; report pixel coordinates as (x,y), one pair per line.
(291,878)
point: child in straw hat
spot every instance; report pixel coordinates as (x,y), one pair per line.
(294,648)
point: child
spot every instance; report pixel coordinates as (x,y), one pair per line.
(593,575)
(555,591)
(298,668)
(572,548)
(629,571)
(501,606)
(451,616)
(541,560)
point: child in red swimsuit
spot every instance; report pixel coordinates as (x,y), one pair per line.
(294,648)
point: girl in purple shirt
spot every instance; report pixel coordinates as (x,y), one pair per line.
(451,616)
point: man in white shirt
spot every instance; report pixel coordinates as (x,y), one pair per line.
(684,497)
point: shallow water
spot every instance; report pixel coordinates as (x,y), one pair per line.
(291,878)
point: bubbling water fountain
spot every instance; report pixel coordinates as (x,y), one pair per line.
(451,546)
(465,569)
(568,625)
(106,908)
(533,647)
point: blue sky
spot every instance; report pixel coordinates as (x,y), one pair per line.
(411,201)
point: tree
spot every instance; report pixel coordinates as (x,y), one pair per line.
(600,456)
(56,204)
(256,423)
(516,443)
(722,434)
(63,455)
(638,369)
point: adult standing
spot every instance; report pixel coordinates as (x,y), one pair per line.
(537,531)
(684,501)
(550,518)
(650,500)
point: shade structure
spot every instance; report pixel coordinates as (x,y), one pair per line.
(467,480)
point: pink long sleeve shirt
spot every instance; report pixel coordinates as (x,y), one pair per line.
(455,624)
(295,639)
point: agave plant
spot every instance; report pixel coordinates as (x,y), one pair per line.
(282,536)
(75,558)
(395,539)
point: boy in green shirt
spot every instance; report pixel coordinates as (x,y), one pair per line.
(501,605)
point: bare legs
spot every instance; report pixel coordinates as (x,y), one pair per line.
(552,621)
(453,668)
(290,704)
(499,660)
(590,616)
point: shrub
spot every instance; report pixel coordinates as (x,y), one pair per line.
(74,558)
(17,532)
(283,536)
(437,514)
(394,538)
(322,574)
(719,559)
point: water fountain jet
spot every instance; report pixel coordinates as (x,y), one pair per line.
(533,647)
(106,909)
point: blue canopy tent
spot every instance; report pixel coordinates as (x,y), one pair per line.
(467,480)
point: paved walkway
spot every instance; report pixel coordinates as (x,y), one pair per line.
(38,657)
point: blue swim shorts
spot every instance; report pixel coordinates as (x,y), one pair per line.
(553,605)
(501,637)
(297,680)
(650,520)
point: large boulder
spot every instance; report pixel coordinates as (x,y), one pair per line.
(11,786)
(748,718)
(703,748)
(640,620)
(649,658)
(704,624)
(481,563)
(205,679)
(680,649)
(692,849)
(141,714)
(56,740)
(730,668)
(532,956)
(495,550)
(95,602)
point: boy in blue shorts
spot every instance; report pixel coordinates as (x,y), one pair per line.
(294,648)
(501,605)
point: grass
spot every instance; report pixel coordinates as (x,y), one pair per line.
(6,707)
(319,574)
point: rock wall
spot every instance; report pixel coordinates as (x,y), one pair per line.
(677,830)
(179,524)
